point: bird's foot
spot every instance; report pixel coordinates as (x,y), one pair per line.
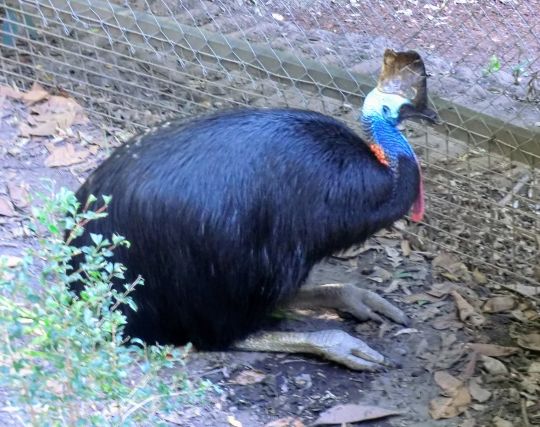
(361,303)
(334,345)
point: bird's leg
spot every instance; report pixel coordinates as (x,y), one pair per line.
(334,345)
(349,298)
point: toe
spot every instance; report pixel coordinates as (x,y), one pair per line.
(359,364)
(377,303)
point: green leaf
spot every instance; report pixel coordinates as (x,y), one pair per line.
(96,238)
(494,65)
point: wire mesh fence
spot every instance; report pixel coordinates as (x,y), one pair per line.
(134,64)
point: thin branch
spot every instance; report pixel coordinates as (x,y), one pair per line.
(515,190)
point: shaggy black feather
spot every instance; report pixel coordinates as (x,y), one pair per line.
(228,213)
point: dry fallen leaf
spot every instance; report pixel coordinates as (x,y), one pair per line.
(448,383)
(492,350)
(530,342)
(54,386)
(56,113)
(470,367)
(525,290)
(457,401)
(10,260)
(479,277)
(286,422)
(380,275)
(9,92)
(61,105)
(354,251)
(248,377)
(18,194)
(500,422)
(525,313)
(6,207)
(531,385)
(47,128)
(65,155)
(406,248)
(420,297)
(466,311)
(450,407)
(499,304)
(446,322)
(494,366)
(534,368)
(180,418)
(407,331)
(233,421)
(453,268)
(35,94)
(392,253)
(429,312)
(477,392)
(352,413)
(440,289)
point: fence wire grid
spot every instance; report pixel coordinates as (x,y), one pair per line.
(134,64)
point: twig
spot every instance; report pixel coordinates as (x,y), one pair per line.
(519,185)
(524,414)
(139,405)
(10,409)
(532,87)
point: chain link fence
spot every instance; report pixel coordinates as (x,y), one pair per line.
(134,64)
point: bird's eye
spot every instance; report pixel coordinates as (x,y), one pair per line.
(385,110)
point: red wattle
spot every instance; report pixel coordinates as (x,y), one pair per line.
(418,207)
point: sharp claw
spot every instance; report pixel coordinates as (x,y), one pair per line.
(375,303)
(345,349)
(405,320)
(376,358)
(376,318)
(362,365)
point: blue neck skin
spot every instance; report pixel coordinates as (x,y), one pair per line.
(381,127)
(385,134)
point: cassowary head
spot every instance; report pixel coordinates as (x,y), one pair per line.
(401,92)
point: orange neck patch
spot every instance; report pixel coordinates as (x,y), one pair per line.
(379,154)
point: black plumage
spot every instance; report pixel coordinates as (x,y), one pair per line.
(228,213)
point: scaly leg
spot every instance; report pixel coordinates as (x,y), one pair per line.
(346,297)
(334,345)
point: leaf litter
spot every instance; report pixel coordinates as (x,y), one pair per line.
(353,413)
(18,193)
(49,114)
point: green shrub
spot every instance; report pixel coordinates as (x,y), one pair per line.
(63,358)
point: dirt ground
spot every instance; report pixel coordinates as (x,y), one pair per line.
(450,365)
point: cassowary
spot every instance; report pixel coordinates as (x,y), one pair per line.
(228,213)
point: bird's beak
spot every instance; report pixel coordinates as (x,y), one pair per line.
(404,74)
(409,111)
